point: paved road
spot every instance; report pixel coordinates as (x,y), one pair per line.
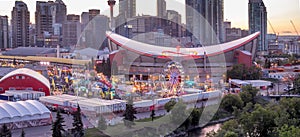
(45,131)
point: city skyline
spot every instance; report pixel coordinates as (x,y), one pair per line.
(279,12)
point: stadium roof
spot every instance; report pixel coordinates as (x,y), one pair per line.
(159,51)
(28,72)
(22,111)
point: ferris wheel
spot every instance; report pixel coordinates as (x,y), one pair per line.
(172,78)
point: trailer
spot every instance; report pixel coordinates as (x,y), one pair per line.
(6,97)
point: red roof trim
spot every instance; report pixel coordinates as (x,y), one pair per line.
(184,55)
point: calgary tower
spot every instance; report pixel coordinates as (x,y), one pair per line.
(111,3)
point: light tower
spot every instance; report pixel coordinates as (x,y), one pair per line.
(111,3)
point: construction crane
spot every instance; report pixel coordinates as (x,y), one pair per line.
(297,39)
(295,28)
(277,34)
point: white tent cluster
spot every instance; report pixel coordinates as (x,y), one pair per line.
(11,112)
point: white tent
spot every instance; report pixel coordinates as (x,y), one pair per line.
(259,83)
(23,111)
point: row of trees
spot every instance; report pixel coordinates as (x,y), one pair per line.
(296,86)
(255,117)
(76,131)
(242,72)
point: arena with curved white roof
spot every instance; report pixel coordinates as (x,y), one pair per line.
(132,57)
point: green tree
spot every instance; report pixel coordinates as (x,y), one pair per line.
(77,130)
(289,112)
(92,63)
(230,126)
(267,63)
(129,113)
(259,123)
(233,126)
(296,85)
(230,101)
(236,72)
(169,105)
(5,131)
(289,131)
(292,59)
(57,126)
(242,72)
(248,94)
(102,123)
(195,116)
(230,134)
(252,73)
(211,134)
(23,133)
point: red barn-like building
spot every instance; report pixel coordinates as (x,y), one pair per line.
(25,79)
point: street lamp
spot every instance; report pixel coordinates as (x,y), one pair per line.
(207,76)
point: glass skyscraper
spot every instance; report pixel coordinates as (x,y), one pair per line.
(258,22)
(204,19)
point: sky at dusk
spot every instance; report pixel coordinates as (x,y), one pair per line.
(280,12)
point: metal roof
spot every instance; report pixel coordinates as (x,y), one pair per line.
(29,51)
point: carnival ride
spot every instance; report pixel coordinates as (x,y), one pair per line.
(104,85)
(172,79)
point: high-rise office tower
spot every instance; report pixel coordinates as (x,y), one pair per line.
(71,30)
(20,25)
(93,35)
(161,8)
(32,36)
(50,15)
(49,18)
(204,19)
(127,8)
(59,12)
(84,19)
(173,26)
(93,13)
(258,22)
(98,26)
(4,35)
(43,18)
(59,16)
